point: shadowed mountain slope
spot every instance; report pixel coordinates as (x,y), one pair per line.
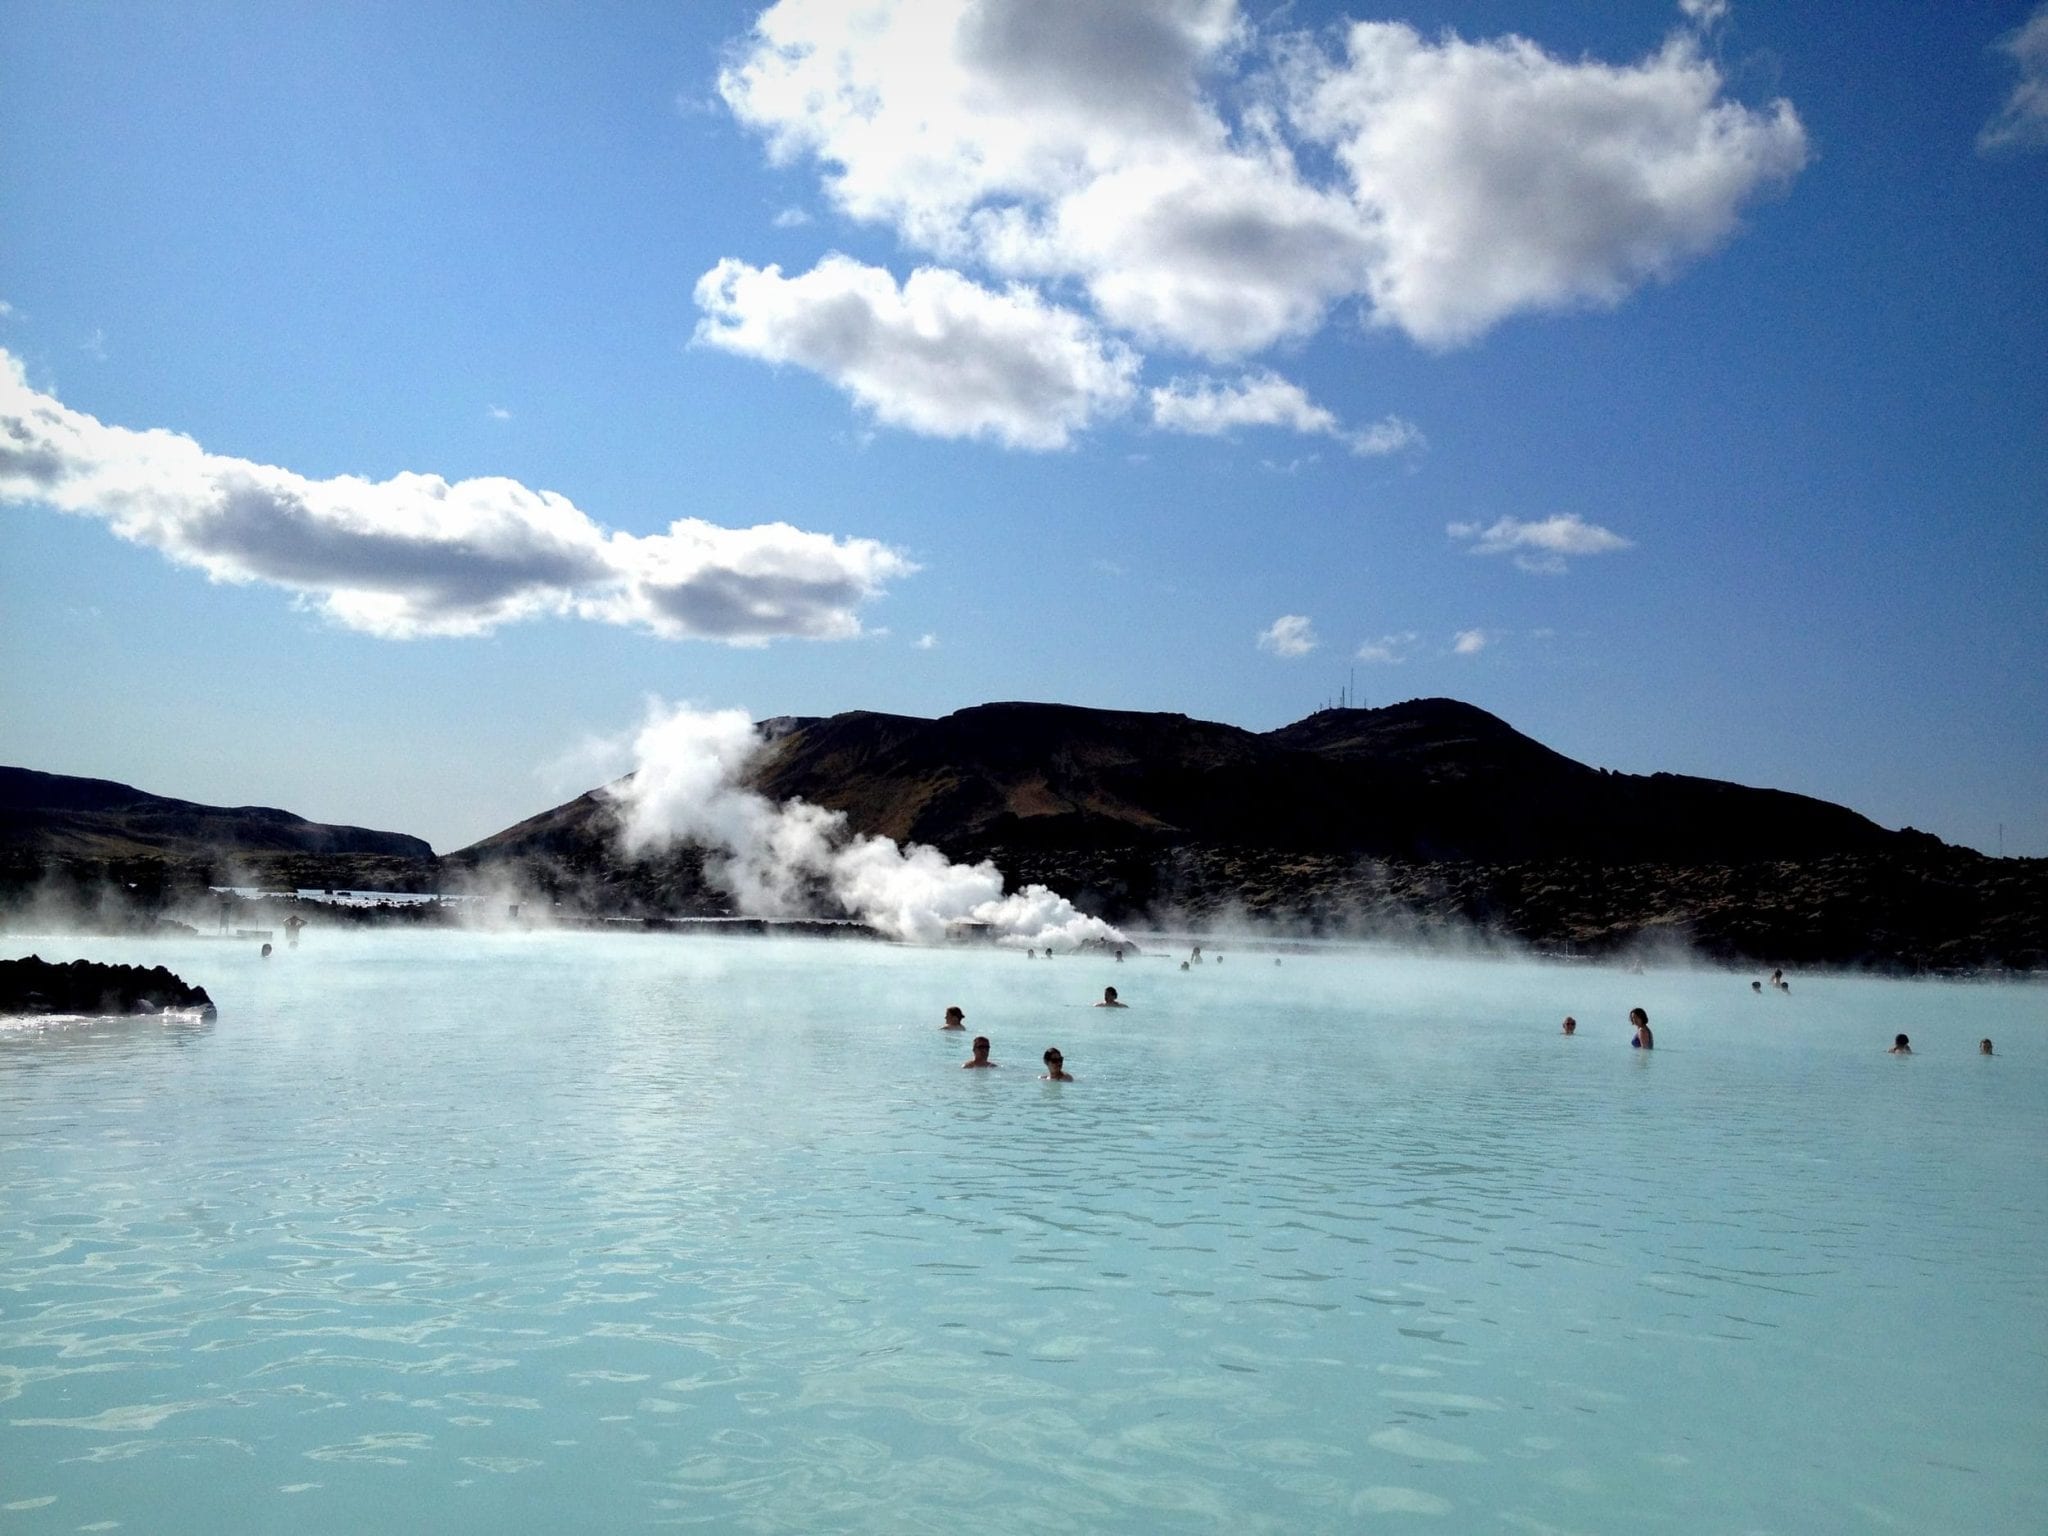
(1430,778)
(55,815)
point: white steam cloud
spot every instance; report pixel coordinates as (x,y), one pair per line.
(417,555)
(778,861)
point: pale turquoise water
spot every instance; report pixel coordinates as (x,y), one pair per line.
(434,1233)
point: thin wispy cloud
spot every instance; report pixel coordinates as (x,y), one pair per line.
(1211,407)
(1470,642)
(2022,122)
(1389,650)
(1539,546)
(940,354)
(927,642)
(418,555)
(1289,636)
(1213,187)
(498,413)
(791,218)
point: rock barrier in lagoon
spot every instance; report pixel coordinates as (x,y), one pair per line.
(33,985)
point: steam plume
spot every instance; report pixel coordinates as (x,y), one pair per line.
(779,861)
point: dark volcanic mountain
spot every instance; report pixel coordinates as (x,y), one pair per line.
(1431,778)
(56,816)
(1430,815)
(1428,779)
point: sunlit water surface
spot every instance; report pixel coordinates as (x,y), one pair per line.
(470,1233)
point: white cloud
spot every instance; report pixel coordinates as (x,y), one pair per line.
(95,345)
(1705,13)
(417,555)
(497,413)
(1211,407)
(1540,546)
(1290,635)
(791,218)
(1178,165)
(940,355)
(1469,642)
(6,310)
(1501,180)
(927,642)
(2022,123)
(1389,650)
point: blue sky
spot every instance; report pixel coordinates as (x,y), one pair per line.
(1669,381)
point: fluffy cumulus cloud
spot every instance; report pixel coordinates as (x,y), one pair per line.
(1540,546)
(939,354)
(1499,179)
(1211,407)
(2022,123)
(1290,635)
(1214,189)
(1469,642)
(419,555)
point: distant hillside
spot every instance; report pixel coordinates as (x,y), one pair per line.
(1427,779)
(1423,818)
(54,816)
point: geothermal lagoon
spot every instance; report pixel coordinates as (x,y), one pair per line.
(473,1232)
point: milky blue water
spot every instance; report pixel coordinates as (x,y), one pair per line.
(473,1233)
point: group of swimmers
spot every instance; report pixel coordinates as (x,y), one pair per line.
(1055,1063)
(1638,1020)
(1901,1046)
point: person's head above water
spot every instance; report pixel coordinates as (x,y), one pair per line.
(1109,999)
(980,1057)
(955,1019)
(1056,1066)
(1757,987)
(1571,1025)
(1901,1046)
(1637,1017)
(1983,1047)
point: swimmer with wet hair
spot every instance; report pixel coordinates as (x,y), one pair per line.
(1055,1067)
(1109,999)
(266,951)
(955,1019)
(980,1056)
(1571,1025)
(1757,987)
(1644,1040)
(1983,1047)
(1901,1046)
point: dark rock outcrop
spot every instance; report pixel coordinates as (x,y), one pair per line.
(33,985)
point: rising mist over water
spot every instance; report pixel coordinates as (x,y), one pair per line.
(795,859)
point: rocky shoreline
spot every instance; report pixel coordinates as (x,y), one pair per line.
(33,985)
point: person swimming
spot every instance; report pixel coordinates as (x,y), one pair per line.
(1984,1048)
(1055,1067)
(1571,1025)
(980,1056)
(955,1019)
(266,951)
(1901,1046)
(1644,1039)
(1109,999)
(1757,987)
